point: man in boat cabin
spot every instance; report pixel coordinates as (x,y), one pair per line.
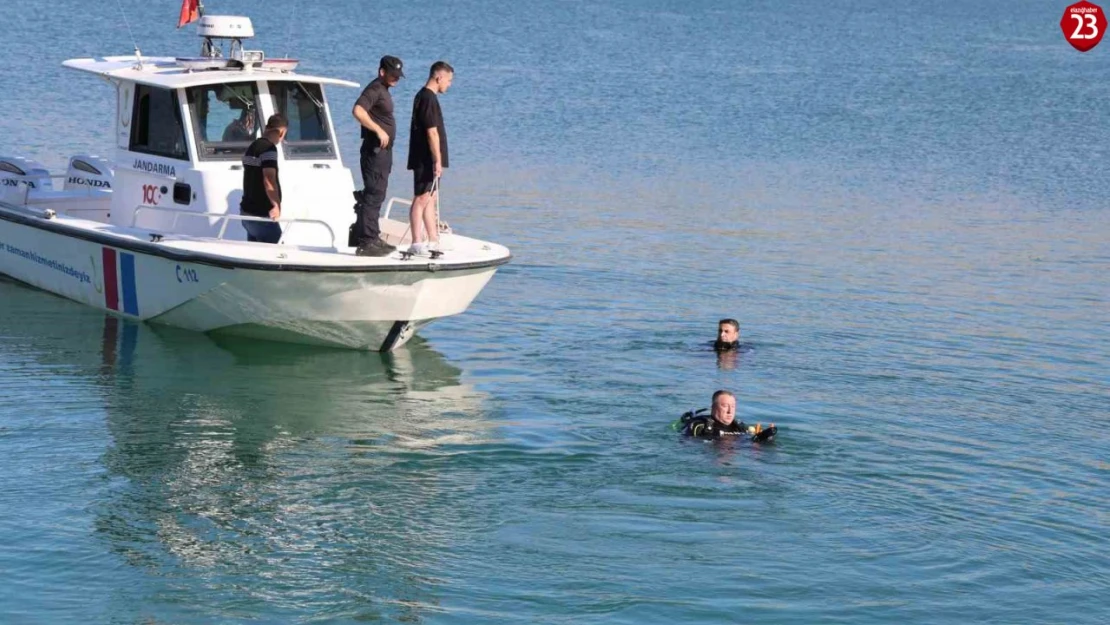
(241,128)
(374,112)
(261,186)
(427,155)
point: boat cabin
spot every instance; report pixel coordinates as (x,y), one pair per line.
(182,126)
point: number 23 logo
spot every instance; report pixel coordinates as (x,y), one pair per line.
(1083,24)
(1091,23)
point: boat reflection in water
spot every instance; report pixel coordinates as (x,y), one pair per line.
(282,479)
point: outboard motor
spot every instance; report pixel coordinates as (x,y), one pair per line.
(88,171)
(21,176)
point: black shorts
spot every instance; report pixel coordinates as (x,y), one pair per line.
(422,180)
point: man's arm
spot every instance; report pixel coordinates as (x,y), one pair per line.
(269,181)
(364,119)
(433,143)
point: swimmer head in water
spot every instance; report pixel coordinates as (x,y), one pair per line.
(728,335)
(723,408)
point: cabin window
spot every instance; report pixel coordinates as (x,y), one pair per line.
(156,126)
(303,105)
(225,119)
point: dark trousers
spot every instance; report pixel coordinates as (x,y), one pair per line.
(376,164)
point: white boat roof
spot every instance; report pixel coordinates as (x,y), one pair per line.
(164,71)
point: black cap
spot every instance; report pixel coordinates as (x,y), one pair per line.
(392,66)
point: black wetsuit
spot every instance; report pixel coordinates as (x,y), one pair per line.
(722,346)
(708,427)
(702,425)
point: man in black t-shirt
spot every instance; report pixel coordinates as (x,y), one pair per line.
(261,186)
(427,155)
(374,112)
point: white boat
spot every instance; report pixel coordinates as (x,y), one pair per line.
(154,233)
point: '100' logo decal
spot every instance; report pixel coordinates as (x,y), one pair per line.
(151,194)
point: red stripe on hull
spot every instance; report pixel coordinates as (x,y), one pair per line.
(111,279)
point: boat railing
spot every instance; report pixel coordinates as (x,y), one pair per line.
(23,209)
(16,194)
(444,228)
(389,205)
(70,210)
(226,218)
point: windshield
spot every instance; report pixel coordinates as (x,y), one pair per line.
(303,105)
(225,119)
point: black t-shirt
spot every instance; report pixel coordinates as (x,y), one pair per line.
(426,114)
(378,103)
(261,154)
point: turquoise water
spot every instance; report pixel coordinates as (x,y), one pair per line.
(904,206)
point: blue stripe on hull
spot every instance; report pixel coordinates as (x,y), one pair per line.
(127,273)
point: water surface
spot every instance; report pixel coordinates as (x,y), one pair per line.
(904,206)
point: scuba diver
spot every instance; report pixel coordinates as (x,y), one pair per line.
(719,421)
(728,335)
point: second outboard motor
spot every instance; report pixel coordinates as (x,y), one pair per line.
(88,171)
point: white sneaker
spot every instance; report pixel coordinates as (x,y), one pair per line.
(433,246)
(418,249)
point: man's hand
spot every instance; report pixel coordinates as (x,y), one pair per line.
(383,138)
(438,169)
(275,212)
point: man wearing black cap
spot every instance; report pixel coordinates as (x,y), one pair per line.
(374,112)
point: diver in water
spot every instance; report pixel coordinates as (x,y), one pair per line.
(728,335)
(720,421)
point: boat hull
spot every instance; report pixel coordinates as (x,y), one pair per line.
(371,310)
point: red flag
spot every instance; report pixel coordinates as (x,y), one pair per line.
(190,12)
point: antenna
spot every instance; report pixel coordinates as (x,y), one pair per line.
(289,32)
(123,14)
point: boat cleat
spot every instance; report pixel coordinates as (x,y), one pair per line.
(433,254)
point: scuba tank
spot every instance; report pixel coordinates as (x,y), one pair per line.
(688,416)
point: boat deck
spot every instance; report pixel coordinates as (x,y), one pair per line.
(459,252)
